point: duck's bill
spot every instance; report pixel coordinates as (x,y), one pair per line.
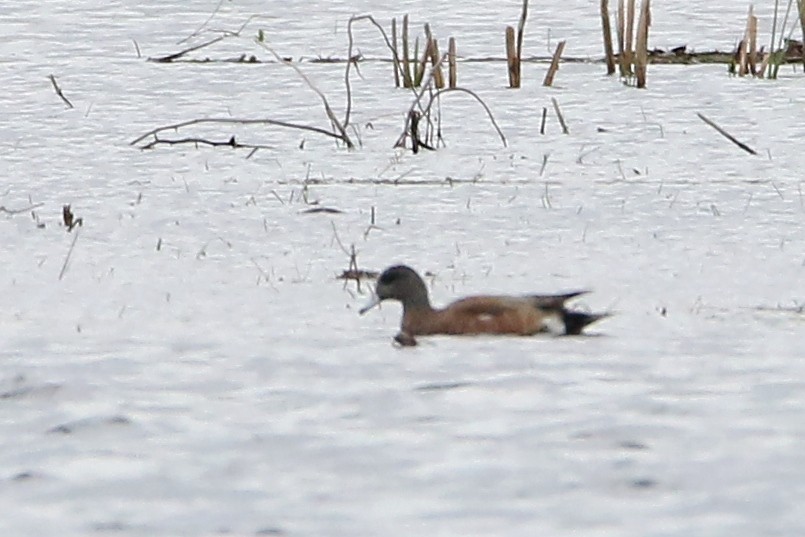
(371,304)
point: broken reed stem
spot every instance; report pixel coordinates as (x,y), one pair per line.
(560,116)
(623,60)
(554,64)
(514,48)
(607,29)
(396,51)
(751,37)
(520,31)
(436,66)
(641,52)
(629,45)
(726,135)
(421,62)
(511,58)
(426,55)
(451,62)
(801,6)
(408,82)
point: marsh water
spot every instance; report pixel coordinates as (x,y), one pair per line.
(186,362)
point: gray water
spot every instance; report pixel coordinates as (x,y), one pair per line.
(195,368)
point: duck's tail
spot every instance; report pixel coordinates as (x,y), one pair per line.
(576,321)
(573,322)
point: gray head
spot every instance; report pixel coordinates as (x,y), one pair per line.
(400,283)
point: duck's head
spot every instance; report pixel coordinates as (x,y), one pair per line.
(401,283)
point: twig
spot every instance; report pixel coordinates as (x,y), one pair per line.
(229,143)
(277,123)
(18,211)
(727,135)
(69,253)
(59,91)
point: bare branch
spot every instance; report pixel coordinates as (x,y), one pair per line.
(177,126)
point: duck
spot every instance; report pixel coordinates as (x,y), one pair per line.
(524,315)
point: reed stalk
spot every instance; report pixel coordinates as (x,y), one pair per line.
(396,51)
(555,64)
(451,62)
(628,47)
(406,61)
(641,52)
(752,37)
(423,60)
(511,58)
(801,8)
(432,53)
(607,29)
(625,68)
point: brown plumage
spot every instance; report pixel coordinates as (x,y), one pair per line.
(513,315)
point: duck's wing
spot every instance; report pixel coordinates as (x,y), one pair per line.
(487,305)
(554,302)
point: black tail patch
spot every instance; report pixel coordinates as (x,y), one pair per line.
(575,321)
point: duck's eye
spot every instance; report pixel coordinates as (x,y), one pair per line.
(388,277)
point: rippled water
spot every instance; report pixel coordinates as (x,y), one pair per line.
(197,369)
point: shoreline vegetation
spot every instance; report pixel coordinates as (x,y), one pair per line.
(419,66)
(676,56)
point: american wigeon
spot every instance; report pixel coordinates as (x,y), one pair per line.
(515,315)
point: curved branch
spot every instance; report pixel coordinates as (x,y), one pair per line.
(394,56)
(477,98)
(177,126)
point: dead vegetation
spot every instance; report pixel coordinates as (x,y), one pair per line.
(420,77)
